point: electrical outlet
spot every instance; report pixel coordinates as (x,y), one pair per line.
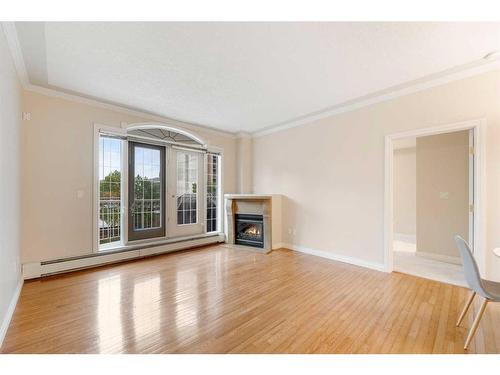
(444,195)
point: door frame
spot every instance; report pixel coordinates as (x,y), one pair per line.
(146,233)
(182,230)
(478,127)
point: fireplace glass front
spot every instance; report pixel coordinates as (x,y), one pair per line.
(249,230)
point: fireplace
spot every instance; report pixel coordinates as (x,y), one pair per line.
(249,230)
(253,220)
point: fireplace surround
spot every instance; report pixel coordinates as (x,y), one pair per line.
(253,221)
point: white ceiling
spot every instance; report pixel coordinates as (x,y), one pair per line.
(243,76)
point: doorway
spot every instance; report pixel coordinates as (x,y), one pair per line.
(433,194)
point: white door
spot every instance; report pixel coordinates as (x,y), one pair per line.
(186,198)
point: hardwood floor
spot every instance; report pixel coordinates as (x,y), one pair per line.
(220,300)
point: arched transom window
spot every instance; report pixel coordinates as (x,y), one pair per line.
(166,134)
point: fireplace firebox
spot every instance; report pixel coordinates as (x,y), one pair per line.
(249,230)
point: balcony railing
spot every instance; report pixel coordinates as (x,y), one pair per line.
(109,220)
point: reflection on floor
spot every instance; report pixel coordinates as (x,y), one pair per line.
(406,261)
(217,299)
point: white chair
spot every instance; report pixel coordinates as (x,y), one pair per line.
(489,290)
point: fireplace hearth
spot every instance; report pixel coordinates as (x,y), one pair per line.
(249,230)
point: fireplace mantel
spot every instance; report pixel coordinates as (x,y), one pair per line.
(250,196)
(267,205)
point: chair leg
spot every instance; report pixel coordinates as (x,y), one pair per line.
(466,308)
(476,323)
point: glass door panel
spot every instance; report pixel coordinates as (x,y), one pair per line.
(146,191)
(187,188)
(185,194)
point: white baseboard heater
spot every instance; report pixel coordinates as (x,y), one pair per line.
(35,270)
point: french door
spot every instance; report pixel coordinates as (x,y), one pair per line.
(146,191)
(153,184)
(186,196)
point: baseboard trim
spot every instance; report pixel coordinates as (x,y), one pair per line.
(10,311)
(439,257)
(39,269)
(434,277)
(336,257)
(411,238)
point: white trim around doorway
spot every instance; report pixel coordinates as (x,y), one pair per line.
(478,126)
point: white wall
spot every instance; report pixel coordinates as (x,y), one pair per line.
(331,171)
(57,146)
(10,125)
(244,168)
(405,191)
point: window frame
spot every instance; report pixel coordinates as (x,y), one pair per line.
(220,194)
(103,141)
(198,193)
(220,207)
(102,130)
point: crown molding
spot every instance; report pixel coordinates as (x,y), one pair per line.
(242,134)
(10,33)
(128,111)
(434,80)
(438,79)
